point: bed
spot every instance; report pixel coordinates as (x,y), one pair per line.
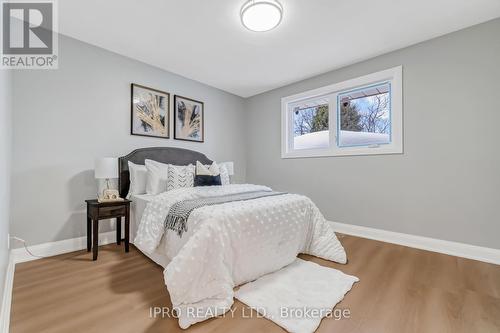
(224,245)
(139,203)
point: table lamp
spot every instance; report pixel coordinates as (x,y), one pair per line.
(107,168)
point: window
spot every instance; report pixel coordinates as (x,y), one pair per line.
(362,116)
(310,124)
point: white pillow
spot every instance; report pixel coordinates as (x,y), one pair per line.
(157,177)
(224,175)
(205,170)
(138,179)
(180,176)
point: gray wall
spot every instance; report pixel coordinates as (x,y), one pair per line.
(66,118)
(446,185)
(5,160)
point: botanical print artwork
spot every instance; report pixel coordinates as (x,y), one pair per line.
(188,119)
(150,112)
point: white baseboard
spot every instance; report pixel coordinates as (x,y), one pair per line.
(7,296)
(485,254)
(59,247)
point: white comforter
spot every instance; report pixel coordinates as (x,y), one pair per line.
(229,244)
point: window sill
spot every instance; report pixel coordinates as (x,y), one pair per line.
(353,151)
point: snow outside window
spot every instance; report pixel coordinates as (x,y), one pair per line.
(361,116)
(310,122)
(364,116)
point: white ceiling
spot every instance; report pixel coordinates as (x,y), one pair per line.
(204,39)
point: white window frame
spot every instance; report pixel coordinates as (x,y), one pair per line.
(394,76)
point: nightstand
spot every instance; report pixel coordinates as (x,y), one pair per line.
(97,211)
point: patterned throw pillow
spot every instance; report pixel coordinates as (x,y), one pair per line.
(180,176)
(207,170)
(214,170)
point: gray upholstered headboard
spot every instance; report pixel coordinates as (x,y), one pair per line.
(169,155)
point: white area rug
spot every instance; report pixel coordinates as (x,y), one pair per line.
(298,296)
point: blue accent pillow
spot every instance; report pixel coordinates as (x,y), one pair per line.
(203,180)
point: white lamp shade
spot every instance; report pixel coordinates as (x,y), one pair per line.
(106,168)
(229,167)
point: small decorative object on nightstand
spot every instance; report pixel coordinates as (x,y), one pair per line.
(102,211)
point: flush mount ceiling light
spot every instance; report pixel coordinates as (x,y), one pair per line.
(261,15)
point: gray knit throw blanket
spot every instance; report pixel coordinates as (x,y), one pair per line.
(179,212)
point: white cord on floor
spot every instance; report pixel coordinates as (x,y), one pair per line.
(26,247)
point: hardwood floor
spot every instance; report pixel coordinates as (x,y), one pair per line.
(400,290)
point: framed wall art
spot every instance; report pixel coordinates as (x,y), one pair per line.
(188,119)
(150,112)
